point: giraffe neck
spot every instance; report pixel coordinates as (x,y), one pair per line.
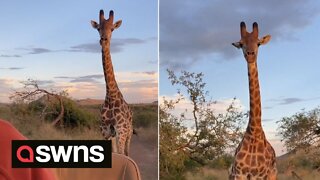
(254,126)
(112,90)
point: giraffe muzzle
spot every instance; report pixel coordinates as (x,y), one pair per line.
(112,131)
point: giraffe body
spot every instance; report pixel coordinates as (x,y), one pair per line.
(116,115)
(254,157)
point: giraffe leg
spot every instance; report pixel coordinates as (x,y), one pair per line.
(273,174)
(237,177)
(127,148)
(114,145)
(121,143)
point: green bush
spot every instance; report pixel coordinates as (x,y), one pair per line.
(145,116)
(74,115)
(222,162)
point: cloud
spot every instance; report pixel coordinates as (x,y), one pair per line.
(287,101)
(62,77)
(30,51)
(136,87)
(220,107)
(10,56)
(86,47)
(291,100)
(191,31)
(147,72)
(88,78)
(6,88)
(117,45)
(44,82)
(34,50)
(267,120)
(84,80)
(140,91)
(94,76)
(150,83)
(267,107)
(12,68)
(39,50)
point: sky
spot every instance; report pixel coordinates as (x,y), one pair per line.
(197,37)
(54,43)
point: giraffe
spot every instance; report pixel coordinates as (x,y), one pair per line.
(116,115)
(254,157)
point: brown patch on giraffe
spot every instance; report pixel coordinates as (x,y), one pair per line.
(251,115)
(262,169)
(260,148)
(247,159)
(240,155)
(245,146)
(257,99)
(250,148)
(117,111)
(103,110)
(117,103)
(254,149)
(118,117)
(267,155)
(258,131)
(256,93)
(109,114)
(122,108)
(253,124)
(253,161)
(254,171)
(245,170)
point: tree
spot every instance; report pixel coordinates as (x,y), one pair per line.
(201,138)
(32,92)
(301,133)
(301,130)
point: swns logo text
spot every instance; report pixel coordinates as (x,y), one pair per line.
(61,154)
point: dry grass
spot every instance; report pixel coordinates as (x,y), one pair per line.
(208,174)
(216,174)
(302,173)
(290,167)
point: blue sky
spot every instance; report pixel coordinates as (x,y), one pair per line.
(54,43)
(197,37)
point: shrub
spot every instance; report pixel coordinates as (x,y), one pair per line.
(145,116)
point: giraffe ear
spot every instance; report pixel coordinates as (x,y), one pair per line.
(237,44)
(94,24)
(117,24)
(264,40)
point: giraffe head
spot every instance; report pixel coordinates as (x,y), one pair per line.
(250,42)
(106,26)
(108,129)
